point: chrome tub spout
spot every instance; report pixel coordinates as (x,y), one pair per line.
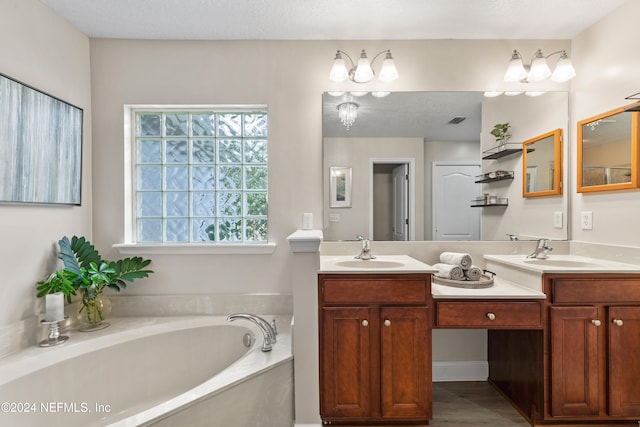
(268,332)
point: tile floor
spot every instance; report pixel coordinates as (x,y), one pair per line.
(464,404)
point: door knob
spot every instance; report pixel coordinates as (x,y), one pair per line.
(596,322)
(618,322)
(491,316)
(365,322)
(387,322)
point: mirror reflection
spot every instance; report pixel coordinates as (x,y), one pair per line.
(608,151)
(542,165)
(434,141)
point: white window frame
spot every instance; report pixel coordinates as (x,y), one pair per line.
(130,246)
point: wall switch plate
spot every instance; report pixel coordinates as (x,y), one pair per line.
(557,219)
(334,217)
(586,220)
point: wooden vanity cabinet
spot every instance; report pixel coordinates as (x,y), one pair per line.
(375,348)
(583,367)
(594,346)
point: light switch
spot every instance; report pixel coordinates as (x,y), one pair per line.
(557,219)
(334,217)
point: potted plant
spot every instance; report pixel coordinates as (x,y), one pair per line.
(86,271)
(500,131)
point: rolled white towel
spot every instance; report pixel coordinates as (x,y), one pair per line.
(449,271)
(474,273)
(462,259)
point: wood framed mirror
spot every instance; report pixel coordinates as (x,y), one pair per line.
(608,151)
(542,165)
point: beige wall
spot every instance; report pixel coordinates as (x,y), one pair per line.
(529,117)
(41,50)
(608,66)
(357,154)
(288,76)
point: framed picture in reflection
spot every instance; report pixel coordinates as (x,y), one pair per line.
(340,187)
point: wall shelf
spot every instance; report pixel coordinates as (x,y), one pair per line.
(494,176)
(481,203)
(503,150)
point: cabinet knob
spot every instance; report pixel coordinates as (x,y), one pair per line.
(365,322)
(596,322)
(618,322)
(491,316)
(387,322)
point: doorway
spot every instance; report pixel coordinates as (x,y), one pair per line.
(391,205)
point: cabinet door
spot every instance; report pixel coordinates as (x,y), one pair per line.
(624,361)
(345,362)
(574,360)
(405,341)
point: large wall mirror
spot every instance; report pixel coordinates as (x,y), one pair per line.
(403,148)
(608,151)
(542,165)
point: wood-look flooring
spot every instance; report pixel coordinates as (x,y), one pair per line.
(464,404)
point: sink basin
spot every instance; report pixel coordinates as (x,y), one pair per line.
(559,263)
(372,263)
(393,264)
(562,263)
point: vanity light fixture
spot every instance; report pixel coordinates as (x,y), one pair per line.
(539,70)
(494,94)
(362,72)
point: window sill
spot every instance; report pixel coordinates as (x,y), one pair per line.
(194,249)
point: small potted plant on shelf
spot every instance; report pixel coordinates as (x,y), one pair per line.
(85,271)
(501,132)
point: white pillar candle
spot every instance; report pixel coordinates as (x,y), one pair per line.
(54,307)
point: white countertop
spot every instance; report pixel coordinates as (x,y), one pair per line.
(395,264)
(501,289)
(564,264)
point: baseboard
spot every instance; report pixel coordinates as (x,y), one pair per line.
(471,370)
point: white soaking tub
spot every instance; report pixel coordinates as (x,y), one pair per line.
(152,371)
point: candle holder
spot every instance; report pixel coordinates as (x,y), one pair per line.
(54,337)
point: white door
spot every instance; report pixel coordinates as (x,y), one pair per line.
(453,190)
(400,197)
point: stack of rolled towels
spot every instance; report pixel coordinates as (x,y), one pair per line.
(457,266)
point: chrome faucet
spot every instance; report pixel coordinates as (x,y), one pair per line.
(542,249)
(365,253)
(269,334)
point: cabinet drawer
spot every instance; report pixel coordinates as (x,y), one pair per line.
(349,290)
(596,290)
(489,314)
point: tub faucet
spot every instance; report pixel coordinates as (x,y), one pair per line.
(542,250)
(365,254)
(267,331)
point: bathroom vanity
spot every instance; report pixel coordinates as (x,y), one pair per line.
(563,341)
(582,366)
(375,341)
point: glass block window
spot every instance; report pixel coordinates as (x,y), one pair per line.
(200,176)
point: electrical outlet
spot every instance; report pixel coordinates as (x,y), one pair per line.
(557,219)
(586,220)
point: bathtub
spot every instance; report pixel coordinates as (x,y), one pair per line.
(186,371)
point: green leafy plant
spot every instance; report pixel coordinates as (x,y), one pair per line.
(500,131)
(85,269)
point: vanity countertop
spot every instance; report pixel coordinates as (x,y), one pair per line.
(563,264)
(501,289)
(390,264)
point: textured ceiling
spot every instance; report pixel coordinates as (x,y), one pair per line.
(332,19)
(349,20)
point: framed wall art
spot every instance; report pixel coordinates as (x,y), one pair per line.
(40,146)
(340,187)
